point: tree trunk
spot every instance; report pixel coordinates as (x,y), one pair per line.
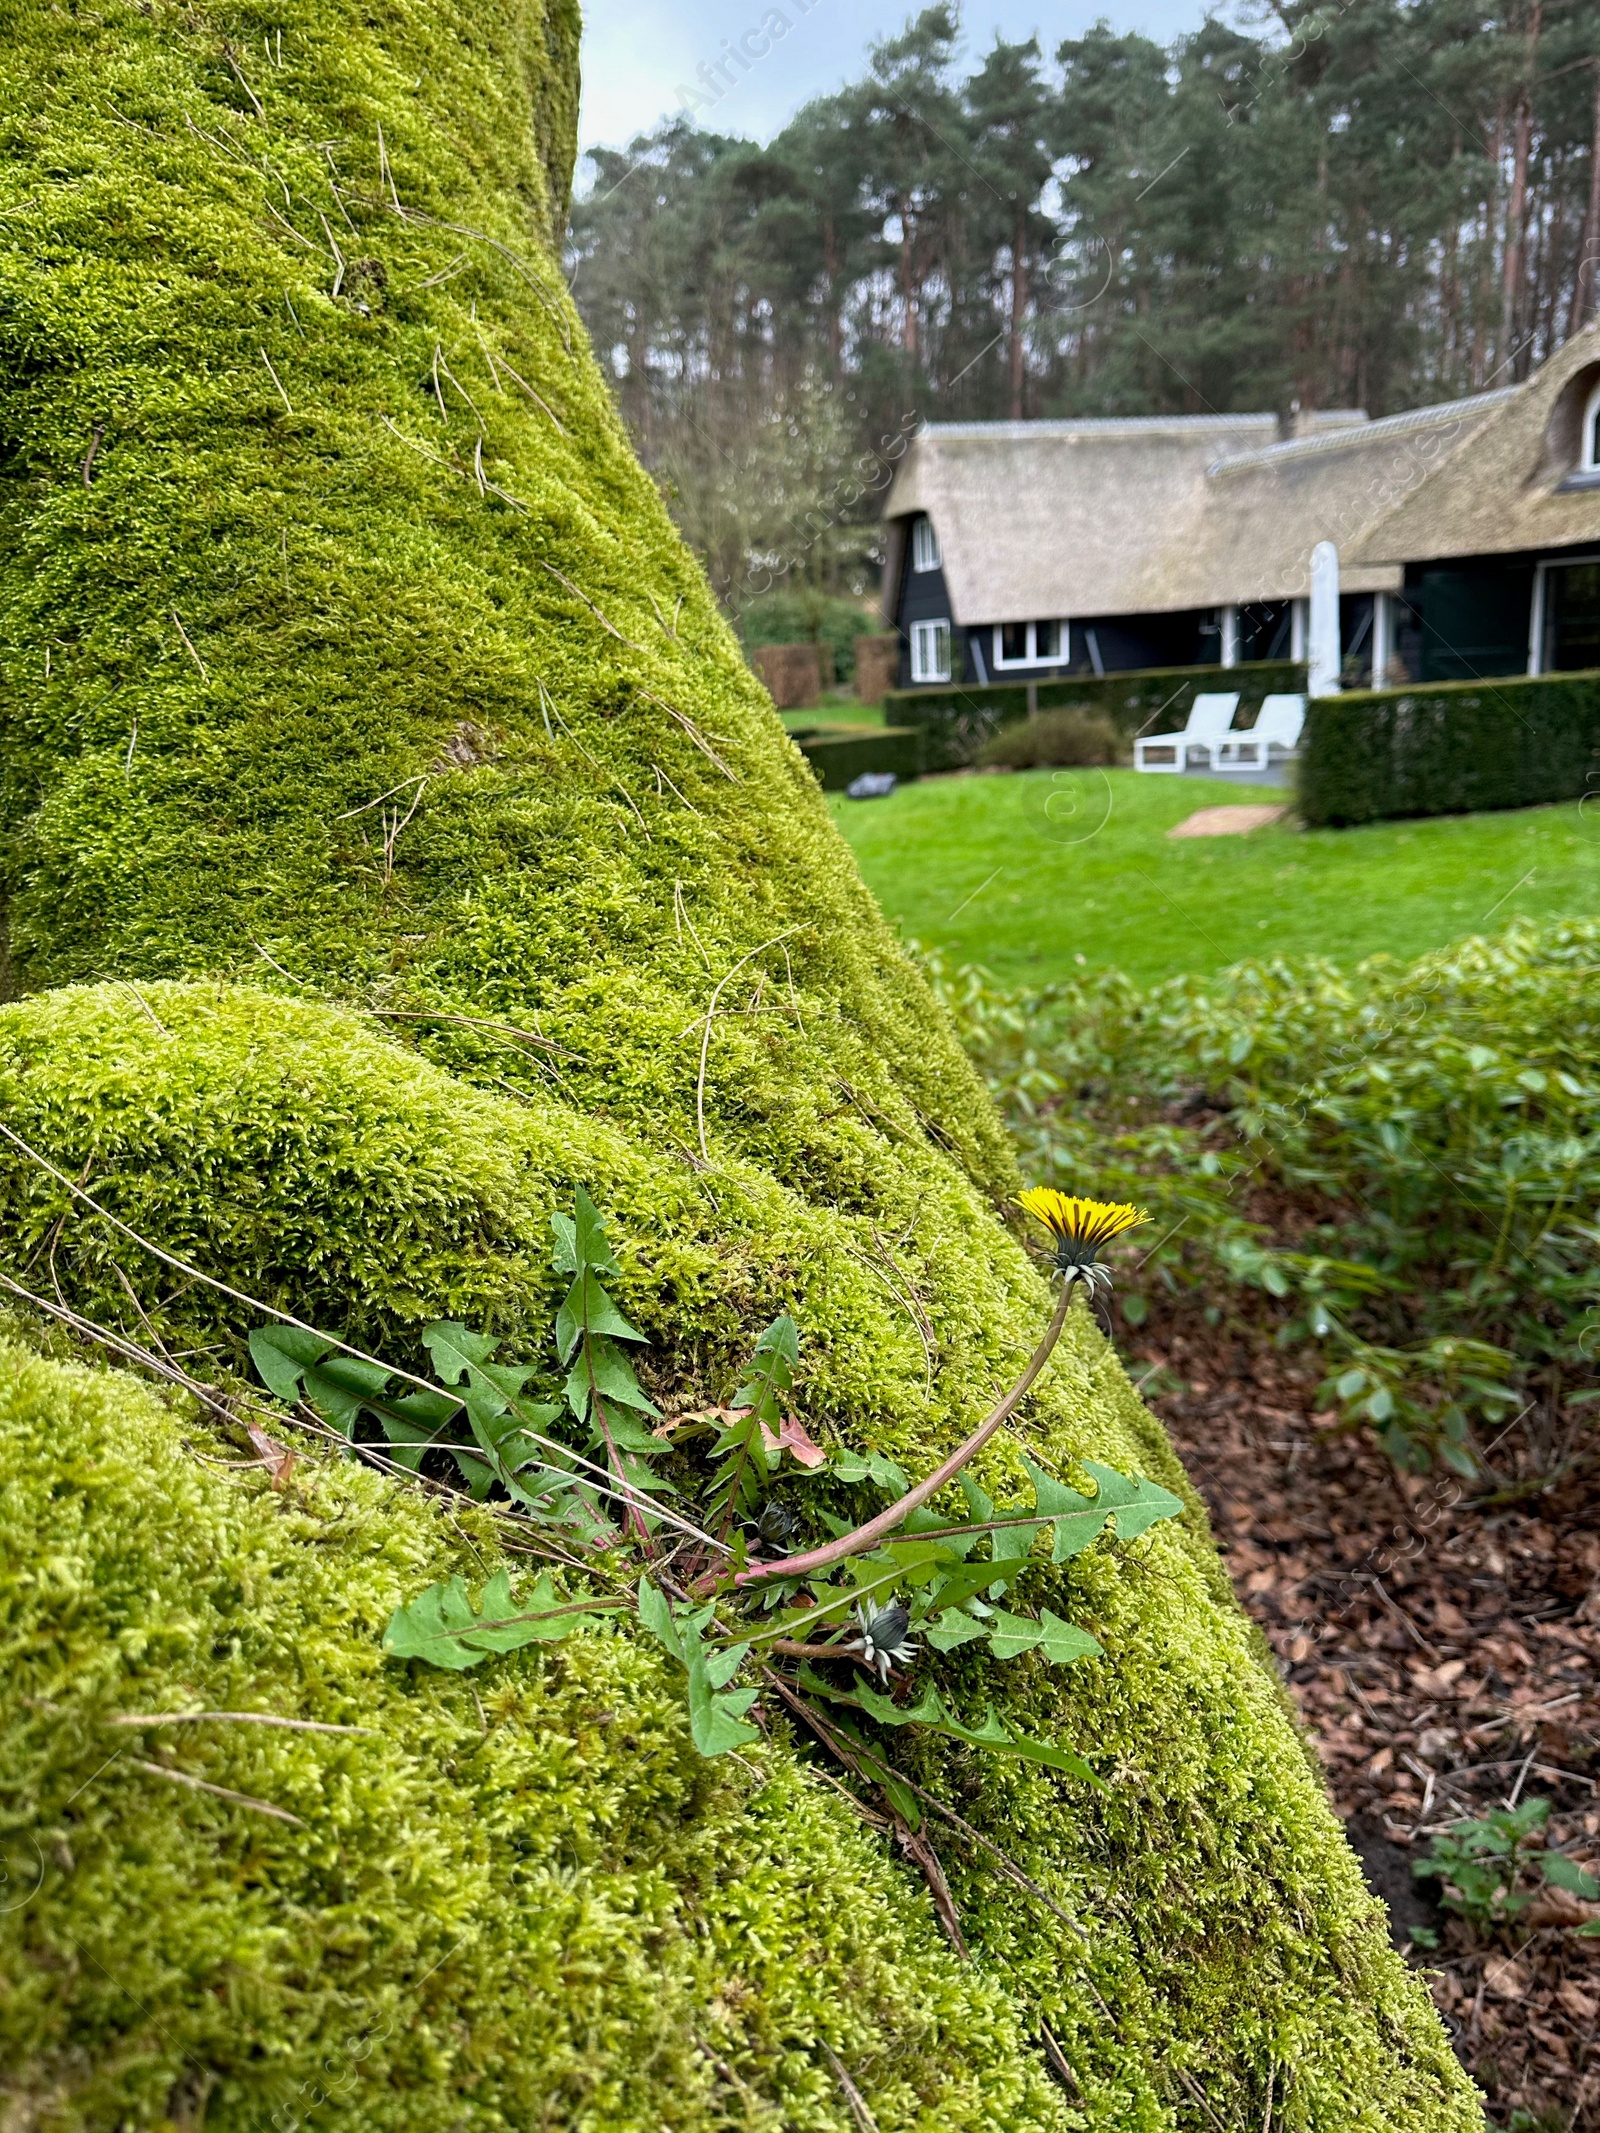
(830,267)
(1588,275)
(908,287)
(1019,306)
(1517,207)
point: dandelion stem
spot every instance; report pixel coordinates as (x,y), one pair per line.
(867,1536)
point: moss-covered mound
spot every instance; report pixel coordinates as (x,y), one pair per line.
(361,711)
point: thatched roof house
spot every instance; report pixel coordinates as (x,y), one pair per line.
(1468,536)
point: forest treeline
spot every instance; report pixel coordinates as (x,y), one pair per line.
(1372,202)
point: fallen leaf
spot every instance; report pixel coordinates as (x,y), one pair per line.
(1505,1977)
(1578,2003)
(721,1416)
(792,1438)
(277,1458)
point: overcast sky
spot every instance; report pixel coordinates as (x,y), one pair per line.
(638,54)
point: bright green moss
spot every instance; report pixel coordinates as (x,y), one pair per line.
(210,819)
(552,1913)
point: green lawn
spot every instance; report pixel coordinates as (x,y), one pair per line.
(1035,873)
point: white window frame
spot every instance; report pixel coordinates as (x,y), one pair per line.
(930,650)
(1589,437)
(1033,658)
(1540,606)
(925,553)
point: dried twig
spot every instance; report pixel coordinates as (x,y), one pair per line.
(852,2095)
(504,1029)
(705,1041)
(681,919)
(95,442)
(538,399)
(338,256)
(462,229)
(918,1849)
(445,274)
(1058,2061)
(220,1792)
(439,364)
(386,174)
(238,73)
(549,704)
(589,604)
(393,826)
(288,404)
(1199,2096)
(663,779)
(691,729)
(236,1718)
(405,783)
(188,647)
(150,1012)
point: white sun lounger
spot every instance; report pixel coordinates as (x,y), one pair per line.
(1273,739)
(1209,719)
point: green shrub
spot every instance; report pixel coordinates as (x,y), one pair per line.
(837,758)
(809,617)
(958,720)
(1075,737)
(1451,748)
(1433,1125)
(1486,1867)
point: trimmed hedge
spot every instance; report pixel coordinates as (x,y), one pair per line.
(838,757)
(1450,748)
(957,721)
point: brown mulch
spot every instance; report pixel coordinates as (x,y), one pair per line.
(1443,1652)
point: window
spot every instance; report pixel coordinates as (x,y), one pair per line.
(1029,644)
(1567,616)
(924,545)
(1589,449)
(930,651)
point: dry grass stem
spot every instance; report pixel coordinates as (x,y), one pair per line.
(288,404)
(184,634)
(692,730)
(234,1718)
(256,104)
(219,1792)
(589,604)
(705,1040)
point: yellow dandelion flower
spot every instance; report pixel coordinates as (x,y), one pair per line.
(1081,1229)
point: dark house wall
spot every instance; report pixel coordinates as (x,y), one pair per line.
(1130,643)
(1469,617)
(925,597)
(1464,619)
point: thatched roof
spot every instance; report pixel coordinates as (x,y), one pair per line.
(1060,518)
(1514,488)
(1265,511)
(1150,516)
